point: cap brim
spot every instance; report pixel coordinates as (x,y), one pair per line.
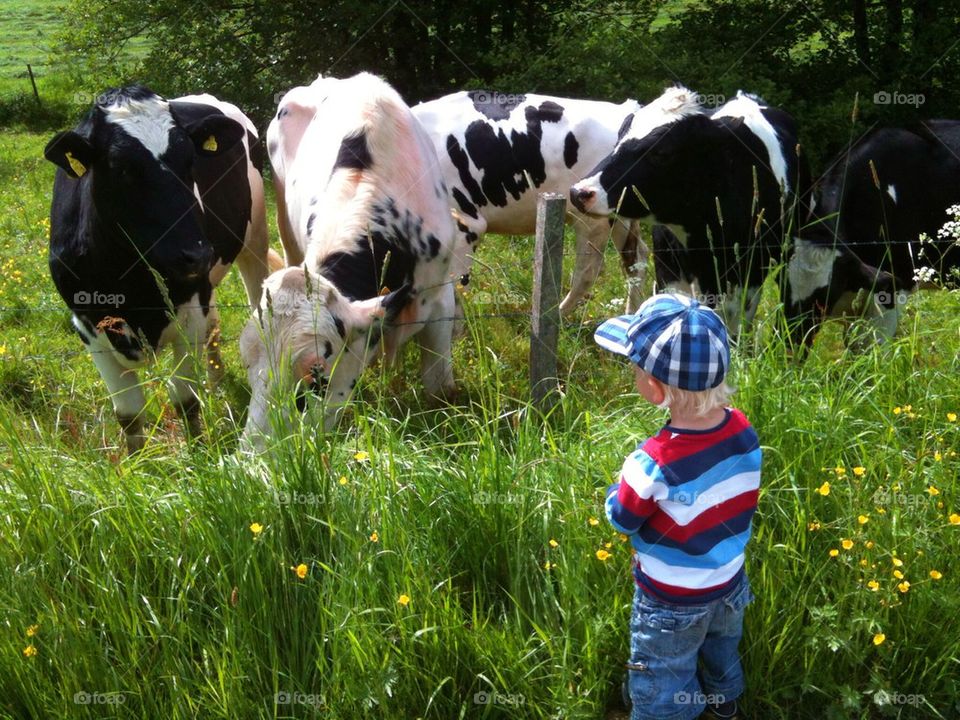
(612,335)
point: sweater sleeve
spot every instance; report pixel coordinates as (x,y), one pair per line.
(633,500)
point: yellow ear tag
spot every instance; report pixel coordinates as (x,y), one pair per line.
(210,144)
(78,167)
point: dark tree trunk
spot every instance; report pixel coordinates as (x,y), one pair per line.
(861,32)
(893,34)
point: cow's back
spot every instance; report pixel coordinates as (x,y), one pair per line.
(497,156)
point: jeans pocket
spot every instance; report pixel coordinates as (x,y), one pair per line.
(657,619)
(741,597)
(642,686)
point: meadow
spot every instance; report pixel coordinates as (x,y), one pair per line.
(446,563)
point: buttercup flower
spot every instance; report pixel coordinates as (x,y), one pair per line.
(404,600)
(863,519)
(343,480)
(374,537)
(955,519)
(361,456)
(952,417)
(936,574)
(898,575)
(904,586)
(32,630)
(553,543)
(897,562)
(846,543)
(869,544)
(593,522)
(300,570)
(879,638)
(840,470)
(29,651)
(602,555)
(813,526)
(256,528)
(859,470)
(933,491)
(937,456)
(873,585)
(834,552)
(824,489)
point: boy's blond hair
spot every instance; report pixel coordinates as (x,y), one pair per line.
(697,402)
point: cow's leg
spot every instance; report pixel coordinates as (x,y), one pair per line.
(256,260)
(588,262)
(188,345)
(671,263)
(435,340)
(126,394)
(633,259)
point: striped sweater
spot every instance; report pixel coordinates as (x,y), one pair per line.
(686,499)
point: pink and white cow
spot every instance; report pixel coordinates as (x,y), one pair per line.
(498,151)
(366,224)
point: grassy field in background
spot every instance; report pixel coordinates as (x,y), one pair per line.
(449,557)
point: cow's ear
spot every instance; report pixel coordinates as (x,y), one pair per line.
(215,134)
(394,302)
(71,152)
(732,123)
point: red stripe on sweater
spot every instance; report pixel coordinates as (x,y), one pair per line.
(709,518)
(628,498)
(665,449)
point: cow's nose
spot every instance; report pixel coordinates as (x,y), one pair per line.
(582,198)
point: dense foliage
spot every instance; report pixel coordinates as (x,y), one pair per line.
(812,58)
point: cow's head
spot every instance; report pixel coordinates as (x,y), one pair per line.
(601,191)
(824,279)
(137,152)
(308,340)
(646,176)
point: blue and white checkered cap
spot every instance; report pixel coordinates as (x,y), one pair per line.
(673,338)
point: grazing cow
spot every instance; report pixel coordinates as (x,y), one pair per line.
(865,254)
(498,151)
(152,201)
(361,201)
(726,185)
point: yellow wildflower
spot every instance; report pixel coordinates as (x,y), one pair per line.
(936,574)
(300,570)
(955,519)
(897,410)
(813,526)
(623,538)
(549,565)
(602,555)
(904,586)
(937,456)
(593,522)
(873,585)
(952,417)
(29,651)
(3,351)
(847,543)
(343,480)
(879,638)
(374,537)
(869,544)
(898,575)
(840,470)
(863,519)
(553,543)
(404,599)
(859,470)
(361,456)
(824,489)
(256,528)
(933,491)
(32,630)
(834,552)
(897,562)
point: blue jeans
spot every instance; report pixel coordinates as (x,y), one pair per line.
(666,641)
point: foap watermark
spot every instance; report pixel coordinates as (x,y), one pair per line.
(709,99)
(884,497)
(295,697)
(485,297)
(698,698)
(884,697)
(89,98)
(884,97)
(97,298)
(486,697)
(489,97)
(297,498)
(887,299)
(98,698)
(492,498)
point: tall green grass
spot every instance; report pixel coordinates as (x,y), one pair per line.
(144,592)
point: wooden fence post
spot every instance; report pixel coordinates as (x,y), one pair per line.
(545,320)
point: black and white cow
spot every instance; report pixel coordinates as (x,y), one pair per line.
(498,151)
(152,202)
(726,185)
(361,201)
(864,253)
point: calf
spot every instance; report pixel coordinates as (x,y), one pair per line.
(361,201)
(498,151)
(153,200)
(726,185)
(864,253)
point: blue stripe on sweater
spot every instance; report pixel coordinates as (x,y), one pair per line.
(721,553)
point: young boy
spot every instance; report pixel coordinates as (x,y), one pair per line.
(685,498)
